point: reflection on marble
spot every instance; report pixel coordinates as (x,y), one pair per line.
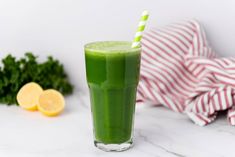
(158,133)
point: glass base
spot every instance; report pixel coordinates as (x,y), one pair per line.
(114,147)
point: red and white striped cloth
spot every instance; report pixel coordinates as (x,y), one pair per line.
(180,71)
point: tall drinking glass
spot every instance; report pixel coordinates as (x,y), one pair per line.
(112,70)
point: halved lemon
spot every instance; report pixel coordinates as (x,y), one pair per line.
(28,96)
(51,102)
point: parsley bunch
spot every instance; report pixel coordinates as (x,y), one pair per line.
(15,73)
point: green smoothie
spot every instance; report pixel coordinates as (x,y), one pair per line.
(112,70)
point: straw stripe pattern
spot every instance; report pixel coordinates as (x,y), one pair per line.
(141,27)
(180,71)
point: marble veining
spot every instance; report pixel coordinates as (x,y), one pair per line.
(158,132)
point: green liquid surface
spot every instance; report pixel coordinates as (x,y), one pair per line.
(112,70)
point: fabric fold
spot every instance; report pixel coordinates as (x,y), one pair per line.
(180,71)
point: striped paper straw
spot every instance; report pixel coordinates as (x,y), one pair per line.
(141,26)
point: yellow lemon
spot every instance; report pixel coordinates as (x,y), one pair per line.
(28,96)
(51,102)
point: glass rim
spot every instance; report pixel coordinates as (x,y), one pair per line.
(87,47)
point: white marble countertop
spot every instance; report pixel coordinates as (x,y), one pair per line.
(158,133)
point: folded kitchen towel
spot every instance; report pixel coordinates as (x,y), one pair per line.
(180,71)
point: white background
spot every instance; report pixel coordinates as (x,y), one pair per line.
(61,27)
